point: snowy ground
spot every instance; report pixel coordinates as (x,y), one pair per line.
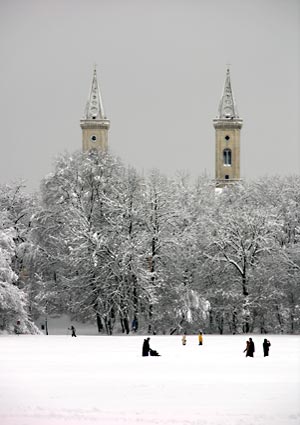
(59,380)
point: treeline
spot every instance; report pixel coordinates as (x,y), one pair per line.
(106,245)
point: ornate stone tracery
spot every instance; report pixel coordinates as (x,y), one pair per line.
(227,107)
(94,107)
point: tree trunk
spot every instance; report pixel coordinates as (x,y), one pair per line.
(246,324)
(135,305)
(211,321)
(279,319)
(245,289)
(234,319)
(292,318)
(108,326)
(99,322)
(262,325)
(292,315)
(220,321)
(125,325)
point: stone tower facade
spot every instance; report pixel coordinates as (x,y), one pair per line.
(228,127)
(94,123)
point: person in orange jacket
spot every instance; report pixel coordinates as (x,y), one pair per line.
(200,338)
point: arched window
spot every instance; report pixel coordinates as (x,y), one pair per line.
(227,157)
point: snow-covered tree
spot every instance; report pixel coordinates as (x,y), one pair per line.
(164,254)
(243,234)
(87,233)
(17,208)
(13,301)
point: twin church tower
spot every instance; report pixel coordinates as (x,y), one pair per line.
(95,126)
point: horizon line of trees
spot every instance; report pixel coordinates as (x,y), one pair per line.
(150,254)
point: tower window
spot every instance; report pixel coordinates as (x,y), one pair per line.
(227,157)
(227,138)
(226,176)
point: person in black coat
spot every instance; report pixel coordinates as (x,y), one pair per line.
(266,345)
(73,330)
(251,349)
(146,347)
(154,353)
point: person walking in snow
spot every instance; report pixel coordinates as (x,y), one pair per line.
(146,347)
(200,338)
(249,348)
(73,330)
(134,325)
(17,329)
(266,346)
(183,339)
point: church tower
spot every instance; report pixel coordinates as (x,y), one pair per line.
(94,123)
(228,127)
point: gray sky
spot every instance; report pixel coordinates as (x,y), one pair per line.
(161,66)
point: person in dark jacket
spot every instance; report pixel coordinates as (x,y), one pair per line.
(146,347)
(266,345)
(154,353)
(73,330)
(247,348)
(251,349)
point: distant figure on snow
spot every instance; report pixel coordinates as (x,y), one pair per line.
(249,348)
(200,338)
(17,329)
(73,330)
(266,345)
(153,353)
(183,339)
(134,325)
(146,347)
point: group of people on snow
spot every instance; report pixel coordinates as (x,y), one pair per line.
(200,339)
(147,351)
(250,348)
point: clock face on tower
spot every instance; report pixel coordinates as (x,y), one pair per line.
(93,138)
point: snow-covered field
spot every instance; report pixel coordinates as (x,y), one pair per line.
(55,380)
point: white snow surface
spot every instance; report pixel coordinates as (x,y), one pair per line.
(60,380)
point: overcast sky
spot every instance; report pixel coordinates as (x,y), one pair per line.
(161,66)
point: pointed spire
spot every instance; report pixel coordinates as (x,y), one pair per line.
(94,108)
(227,107)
